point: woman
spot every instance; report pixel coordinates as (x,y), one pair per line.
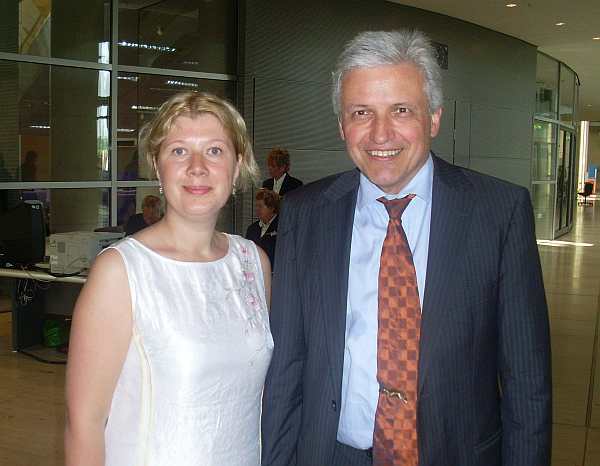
(264,231)
(170,339)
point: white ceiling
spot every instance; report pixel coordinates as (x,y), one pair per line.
(534,21)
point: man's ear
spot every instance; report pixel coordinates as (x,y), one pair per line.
(436,118)
(341,129)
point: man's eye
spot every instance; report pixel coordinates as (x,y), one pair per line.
(401,110)
(360,113)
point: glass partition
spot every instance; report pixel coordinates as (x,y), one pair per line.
(72,29)
(567,95)
(546,86)
(70,123)
(553,158)
(72,209)
(544,140)
(61,129)
(178,34)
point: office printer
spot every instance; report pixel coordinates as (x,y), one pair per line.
(75,251)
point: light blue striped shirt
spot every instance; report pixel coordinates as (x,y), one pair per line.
(359,383)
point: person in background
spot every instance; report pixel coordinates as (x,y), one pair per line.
(264,231)
(150,215)
(29,166)
(409,313)
(170,340)
(278,163)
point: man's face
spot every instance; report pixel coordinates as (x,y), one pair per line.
(275,170)
(386,124)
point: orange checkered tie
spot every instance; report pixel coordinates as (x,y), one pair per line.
(399,324)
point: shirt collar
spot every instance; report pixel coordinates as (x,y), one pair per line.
(420,185)
(280,179)
(263,225)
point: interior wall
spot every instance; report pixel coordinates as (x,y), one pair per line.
(594,145)
(289,49)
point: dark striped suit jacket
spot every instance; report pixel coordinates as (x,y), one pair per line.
(484,368)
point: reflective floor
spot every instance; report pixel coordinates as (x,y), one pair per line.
(31,393)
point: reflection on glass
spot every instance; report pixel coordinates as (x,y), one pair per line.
(48,29)
(60,131)
(140,96)
(567,94)
(565,180)
(178,34)
(130,202)
(543,209)
(544,140)
(546,86)
(68,209)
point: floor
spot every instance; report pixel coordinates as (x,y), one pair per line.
(32,399)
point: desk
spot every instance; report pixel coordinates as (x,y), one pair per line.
(47,295)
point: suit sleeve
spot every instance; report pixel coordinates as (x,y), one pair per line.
(524,360)
(282,399)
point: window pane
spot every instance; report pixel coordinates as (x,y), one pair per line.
(567,95)
(73,29)
(140,95)
(68,209)
(546,86)
(544,141)
(130,200)
(56,122)
(178,34)
(543,209)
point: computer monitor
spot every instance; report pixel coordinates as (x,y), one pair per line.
(23,234)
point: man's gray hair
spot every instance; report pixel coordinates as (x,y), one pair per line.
(379,48)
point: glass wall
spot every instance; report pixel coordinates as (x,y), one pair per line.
(554,148)
(77,82)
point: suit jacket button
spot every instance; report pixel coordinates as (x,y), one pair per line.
(333,405)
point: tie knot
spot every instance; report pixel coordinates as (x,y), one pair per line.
(395,207)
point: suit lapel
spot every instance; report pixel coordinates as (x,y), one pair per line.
(450,217)
(335,221)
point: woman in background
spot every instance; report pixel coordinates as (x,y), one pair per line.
(264,231)
(170,341)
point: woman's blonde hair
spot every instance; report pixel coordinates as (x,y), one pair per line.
(191,105)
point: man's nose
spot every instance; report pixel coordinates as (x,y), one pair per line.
(381,130)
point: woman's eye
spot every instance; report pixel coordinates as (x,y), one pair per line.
(179,151)
(215,151)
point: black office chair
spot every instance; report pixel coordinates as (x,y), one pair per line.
(587,190)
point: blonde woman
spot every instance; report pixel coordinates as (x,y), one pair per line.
(170,341)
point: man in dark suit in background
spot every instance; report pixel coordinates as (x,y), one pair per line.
(278,163)
(408,309)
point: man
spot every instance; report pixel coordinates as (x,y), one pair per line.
(415,337)
(278,163)
(150,214)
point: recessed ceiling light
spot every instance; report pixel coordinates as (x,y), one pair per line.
(596,38)
(511,5)
(560,23)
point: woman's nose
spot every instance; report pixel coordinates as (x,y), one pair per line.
(197,165)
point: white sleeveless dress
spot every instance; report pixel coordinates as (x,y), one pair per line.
(190,390)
